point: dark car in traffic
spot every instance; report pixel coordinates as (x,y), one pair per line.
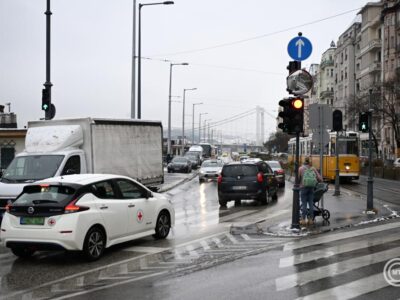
(247,180)
(194,158)
(278,170)
(180,164)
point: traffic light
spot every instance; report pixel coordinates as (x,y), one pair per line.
(285,114)
(46,99)
(292,115)
(337,120)
(297,106)
(363,122)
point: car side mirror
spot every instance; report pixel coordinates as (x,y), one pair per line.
(149,194)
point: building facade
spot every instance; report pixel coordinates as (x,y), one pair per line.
(345,74)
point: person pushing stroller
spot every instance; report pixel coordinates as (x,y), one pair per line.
(309,177)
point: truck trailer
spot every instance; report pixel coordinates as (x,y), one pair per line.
(86,145)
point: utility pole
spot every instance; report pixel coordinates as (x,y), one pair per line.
(370,180)
(47,106)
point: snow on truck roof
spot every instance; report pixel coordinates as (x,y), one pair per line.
(54,138)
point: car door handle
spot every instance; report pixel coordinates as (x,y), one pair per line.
(103,207)
(131,205)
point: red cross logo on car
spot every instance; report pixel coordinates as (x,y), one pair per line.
(140,216)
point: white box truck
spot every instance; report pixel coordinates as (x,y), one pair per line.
(86,145)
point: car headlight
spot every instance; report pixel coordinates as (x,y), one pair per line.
(202,172)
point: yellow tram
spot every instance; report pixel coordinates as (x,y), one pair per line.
(348,147)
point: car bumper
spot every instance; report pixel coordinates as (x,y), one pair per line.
(240,195)
(208,175)
(61,236)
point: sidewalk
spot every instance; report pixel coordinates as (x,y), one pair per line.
(346,210)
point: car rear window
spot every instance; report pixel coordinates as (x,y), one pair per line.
(180,159)
(212,163)
(274,164)
(239,170)
(40,194)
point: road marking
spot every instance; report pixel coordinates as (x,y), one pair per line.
(335,250)
(338,236)
(191,251)
(152,250)
(204,244)
(245,237)
(334,269)
(104,267)
(232,238)
(350,290)
(217,242)
(110,285)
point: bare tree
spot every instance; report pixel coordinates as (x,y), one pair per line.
(277,142)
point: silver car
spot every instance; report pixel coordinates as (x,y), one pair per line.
(210,169)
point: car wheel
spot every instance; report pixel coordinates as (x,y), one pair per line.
(163,225)
(222,201)
(238,202)
(201,180)
(274,196)
(169,171)
(22,252)
(263,198)
(94,244)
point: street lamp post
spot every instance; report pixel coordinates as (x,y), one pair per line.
(139,106)
(205,129)
(183,118)
(169,103)
(194,104)
(133,112)
(200,125)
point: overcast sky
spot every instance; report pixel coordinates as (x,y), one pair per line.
(92,48)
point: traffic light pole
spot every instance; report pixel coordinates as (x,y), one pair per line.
(337,178)
(48,84)
(296,187)
(370,180)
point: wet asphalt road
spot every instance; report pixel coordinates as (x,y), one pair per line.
(346,264)
(204,259)
(384,189)
(199,221)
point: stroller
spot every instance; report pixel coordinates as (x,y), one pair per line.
(320,189)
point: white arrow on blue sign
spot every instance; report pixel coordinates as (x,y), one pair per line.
(299,48)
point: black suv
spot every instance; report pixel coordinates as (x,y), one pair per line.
(247,180)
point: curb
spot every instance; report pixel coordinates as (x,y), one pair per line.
(175,184)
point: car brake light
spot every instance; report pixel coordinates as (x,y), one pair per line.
(260,177)
(280,171)
(219,180)
(71,207)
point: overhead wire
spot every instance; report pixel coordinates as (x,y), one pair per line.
(256,37)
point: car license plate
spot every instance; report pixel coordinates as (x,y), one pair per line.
(239,188)
(31,220)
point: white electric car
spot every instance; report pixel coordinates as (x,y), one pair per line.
(88,212)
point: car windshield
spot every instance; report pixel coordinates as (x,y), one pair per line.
(32,168)
(274,164)
(45,194)
(179,160)
(193,156)
(214,163)
(239,170)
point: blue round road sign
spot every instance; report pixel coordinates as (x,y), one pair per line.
(299,48)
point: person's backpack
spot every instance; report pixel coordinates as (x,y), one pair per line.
(309,178)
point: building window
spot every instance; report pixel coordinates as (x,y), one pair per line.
(331,72)
(392,42)
(345,73)
(345,54)
(358,67)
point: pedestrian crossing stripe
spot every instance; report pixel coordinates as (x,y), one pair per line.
(338,236)
(386,243)
(334,269)
(350,290)
(335,250)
